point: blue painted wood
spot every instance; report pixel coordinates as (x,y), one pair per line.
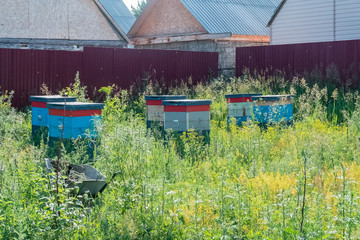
(72,127)
(56,126)
(274,113)
(81,122)
(39,116)
(267,98)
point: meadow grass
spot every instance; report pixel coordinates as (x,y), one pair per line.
(295,182)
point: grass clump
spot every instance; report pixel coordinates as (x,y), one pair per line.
(300,181)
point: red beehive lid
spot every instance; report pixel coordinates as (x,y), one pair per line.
(157,99)
(246,97)
(187,105)
(75,109)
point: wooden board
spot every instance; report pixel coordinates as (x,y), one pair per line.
(274,113)
(72,127)
(273,103)
(39,116)
(184,121)
(240,109)
(155,113)
(198,121)
(177,121)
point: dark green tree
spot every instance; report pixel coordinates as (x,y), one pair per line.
(137,10)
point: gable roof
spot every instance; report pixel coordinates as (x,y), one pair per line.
(243,17)
(278,9)
(119,13)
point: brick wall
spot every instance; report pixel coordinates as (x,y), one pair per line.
(164,18)
(226,50)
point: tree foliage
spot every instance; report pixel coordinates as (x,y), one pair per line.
(137,10)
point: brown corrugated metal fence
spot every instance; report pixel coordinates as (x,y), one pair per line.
(294,59)
(24,71)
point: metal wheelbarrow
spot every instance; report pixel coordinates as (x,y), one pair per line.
(84,176)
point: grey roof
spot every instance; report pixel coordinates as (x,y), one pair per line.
(119,13)
(75,105)
(187,102)
(276,12)
(243,17)
(164,97)
(52,98)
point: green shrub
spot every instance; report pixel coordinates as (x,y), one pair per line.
(249,182)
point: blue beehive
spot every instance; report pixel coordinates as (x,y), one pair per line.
(273,108)
(183,115)
(40,113)
(155,108)
(74,119)
(240,106)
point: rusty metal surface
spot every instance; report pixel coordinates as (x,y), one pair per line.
(24,71)
(297,59)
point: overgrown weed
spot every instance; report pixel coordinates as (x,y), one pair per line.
(297,182)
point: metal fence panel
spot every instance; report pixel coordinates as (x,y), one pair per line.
(296,59)
(24,71)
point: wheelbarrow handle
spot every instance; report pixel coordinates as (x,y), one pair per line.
(115,174)
(112,178)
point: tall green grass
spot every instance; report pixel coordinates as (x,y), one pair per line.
(248,183)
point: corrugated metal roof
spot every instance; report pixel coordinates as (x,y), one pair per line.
(276,12)
(119,13)
(244,17)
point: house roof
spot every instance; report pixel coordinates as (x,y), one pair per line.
(119,13)
(278,9)
(243,17)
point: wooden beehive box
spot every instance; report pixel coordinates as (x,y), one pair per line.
(155,108)
(73,119)
(273,108)
(240,106)
(183,115)
(40,112)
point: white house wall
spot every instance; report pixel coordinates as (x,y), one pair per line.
(347,19)
(54,19)
(301,21)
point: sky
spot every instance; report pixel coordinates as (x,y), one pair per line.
(130,2)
